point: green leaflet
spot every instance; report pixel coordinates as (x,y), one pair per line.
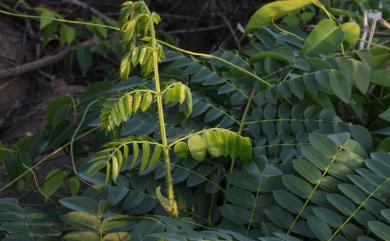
(340,85)
(217,142)
(155,156)
(283,54)
(381,77)
(325,38)
(380,229)
(115,168)
(351,32)
(320,229)
(385,115)
(297,186)
(137,101)
(181,150)
(171,95)
(179,92)
(307,170)
(246,152)
(67,34)
(324,144)
(53,181)
(197,147)
(212,143)
(357,73)
(274,10)
(287,201)
(332,218)
(279,216)
(145,156)
(146,101)
(83,220)
(83,204)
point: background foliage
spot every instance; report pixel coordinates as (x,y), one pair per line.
(305,114)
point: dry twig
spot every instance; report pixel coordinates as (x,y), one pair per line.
(25,68)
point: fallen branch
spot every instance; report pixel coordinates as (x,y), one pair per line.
(35,65)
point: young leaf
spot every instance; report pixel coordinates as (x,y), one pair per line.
(146,101)
(272,11)
(155,156)
(351,32)
(115,168)
(145,156)
(197,147)
(181,150)
(137,101)
(135,153)
(188,106)
(182,93)
(212,143)
(125,66)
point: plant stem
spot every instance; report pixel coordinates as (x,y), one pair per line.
(171,196)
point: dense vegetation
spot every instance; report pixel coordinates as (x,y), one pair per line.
(286,138)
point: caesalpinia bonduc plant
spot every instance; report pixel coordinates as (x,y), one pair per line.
(137,25)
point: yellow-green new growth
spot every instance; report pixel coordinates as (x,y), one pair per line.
(137,27)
